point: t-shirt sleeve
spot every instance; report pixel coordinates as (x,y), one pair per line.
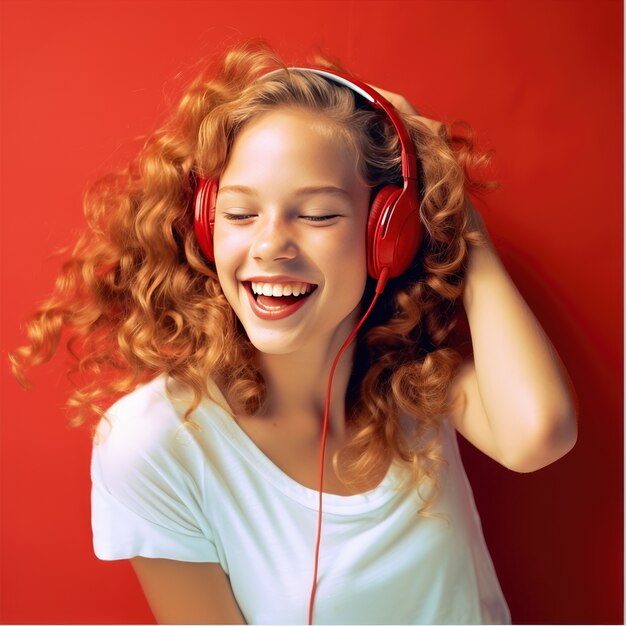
(147,497)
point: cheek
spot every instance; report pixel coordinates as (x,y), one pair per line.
(349,264)
(226,264)
(354,262)
(226,249)
(356,246)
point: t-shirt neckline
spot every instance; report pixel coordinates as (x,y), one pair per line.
(219,411)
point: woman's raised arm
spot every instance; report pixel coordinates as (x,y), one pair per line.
(516,401)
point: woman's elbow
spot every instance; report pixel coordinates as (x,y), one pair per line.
(554,435)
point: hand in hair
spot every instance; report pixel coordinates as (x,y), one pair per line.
(406,108)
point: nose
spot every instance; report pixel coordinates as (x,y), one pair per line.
(273,241)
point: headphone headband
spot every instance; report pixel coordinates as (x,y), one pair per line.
(409,158)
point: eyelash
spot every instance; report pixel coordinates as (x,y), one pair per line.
(236,217)
(318,218)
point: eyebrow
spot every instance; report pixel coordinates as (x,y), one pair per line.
(302,191)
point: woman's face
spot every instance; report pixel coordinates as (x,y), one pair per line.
(289,235)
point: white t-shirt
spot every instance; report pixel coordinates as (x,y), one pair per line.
(164,490)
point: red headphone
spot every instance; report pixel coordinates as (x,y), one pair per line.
(394,230)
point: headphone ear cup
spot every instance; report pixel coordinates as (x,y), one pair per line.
(204,215)
(384,199)
(393,230)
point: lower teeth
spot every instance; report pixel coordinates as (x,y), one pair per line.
(277,302)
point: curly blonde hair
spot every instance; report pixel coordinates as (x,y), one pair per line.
(138,299)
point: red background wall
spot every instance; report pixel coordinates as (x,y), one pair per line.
(540,81)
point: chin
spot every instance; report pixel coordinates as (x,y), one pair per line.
(275,344)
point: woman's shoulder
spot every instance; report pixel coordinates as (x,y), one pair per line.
(149,495)
(146,424)
(151,420)
(144,400)
(145,411)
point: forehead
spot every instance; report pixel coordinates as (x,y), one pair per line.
(289,141)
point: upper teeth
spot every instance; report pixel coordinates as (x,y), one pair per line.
(281,289)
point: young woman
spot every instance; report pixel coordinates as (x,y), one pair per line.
(215,296)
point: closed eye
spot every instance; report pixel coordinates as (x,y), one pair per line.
(319,218)
(238,217)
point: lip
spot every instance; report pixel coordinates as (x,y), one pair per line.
(278,279)
(264,314)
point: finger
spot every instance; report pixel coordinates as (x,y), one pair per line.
(398,101)
(404,106)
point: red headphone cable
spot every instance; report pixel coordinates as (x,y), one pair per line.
(380,286)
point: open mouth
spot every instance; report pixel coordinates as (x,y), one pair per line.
(277,300)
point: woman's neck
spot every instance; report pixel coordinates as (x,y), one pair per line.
(297,386)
